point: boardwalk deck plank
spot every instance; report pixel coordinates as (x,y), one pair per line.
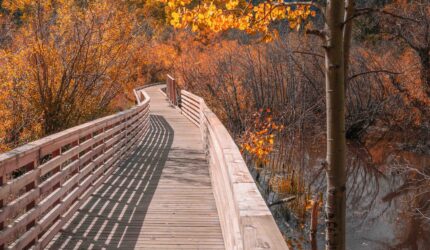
(160,198)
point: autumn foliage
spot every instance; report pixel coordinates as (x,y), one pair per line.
(67,63)
(210,17)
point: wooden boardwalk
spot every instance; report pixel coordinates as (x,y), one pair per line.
(160,198)
(168,178)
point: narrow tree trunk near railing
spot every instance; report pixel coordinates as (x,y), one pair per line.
(314,224)
(335,105)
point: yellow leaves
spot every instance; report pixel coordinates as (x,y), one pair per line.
(231,4)
(182,3)
(293,25)
(194,28)
(14,5)
(171,4)
(175,3)
(244,22)
(217,16)
(175,21)
(259,140)
(207,19)
(309,204)
(175,15)
(42,54)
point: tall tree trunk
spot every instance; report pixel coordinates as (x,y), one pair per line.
(52,120)
(335,105)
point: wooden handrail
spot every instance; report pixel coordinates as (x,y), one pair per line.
(246,221)
(43,183)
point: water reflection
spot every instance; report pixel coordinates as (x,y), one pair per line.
(388,195)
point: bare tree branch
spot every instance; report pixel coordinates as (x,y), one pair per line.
(297,3)
(374,72)
(365,11)
(423,215)
(282,201)
(319,33)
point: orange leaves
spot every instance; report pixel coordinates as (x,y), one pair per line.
(259,141)
(283,185)
(217,16)
(14,5)
(297,16)
(316,201)
(69,67)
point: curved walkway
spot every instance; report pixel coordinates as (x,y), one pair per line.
(160,198)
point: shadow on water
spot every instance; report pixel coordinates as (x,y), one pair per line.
(113,216)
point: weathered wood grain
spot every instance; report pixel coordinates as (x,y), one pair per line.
(246,221)
(245,217)
(160,198)
(165,179)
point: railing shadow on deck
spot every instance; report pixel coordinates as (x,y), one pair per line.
(113,216)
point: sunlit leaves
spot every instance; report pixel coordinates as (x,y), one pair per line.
(231,4)
(259,140)
(65,65)
(216,16)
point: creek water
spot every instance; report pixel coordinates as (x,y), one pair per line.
(373,221)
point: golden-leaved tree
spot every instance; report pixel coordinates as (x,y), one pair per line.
(212,16)
(66,64)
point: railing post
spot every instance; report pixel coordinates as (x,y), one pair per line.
(168,87)
(31,167)
(172,90)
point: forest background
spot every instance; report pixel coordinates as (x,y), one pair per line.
(63,63)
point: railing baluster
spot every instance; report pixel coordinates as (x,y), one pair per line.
(74,163)
(245,226)
(32,167)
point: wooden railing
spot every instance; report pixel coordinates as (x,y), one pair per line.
(43,183)
(172,91)
(246,221)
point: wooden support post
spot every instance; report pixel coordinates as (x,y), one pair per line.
(172,90)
